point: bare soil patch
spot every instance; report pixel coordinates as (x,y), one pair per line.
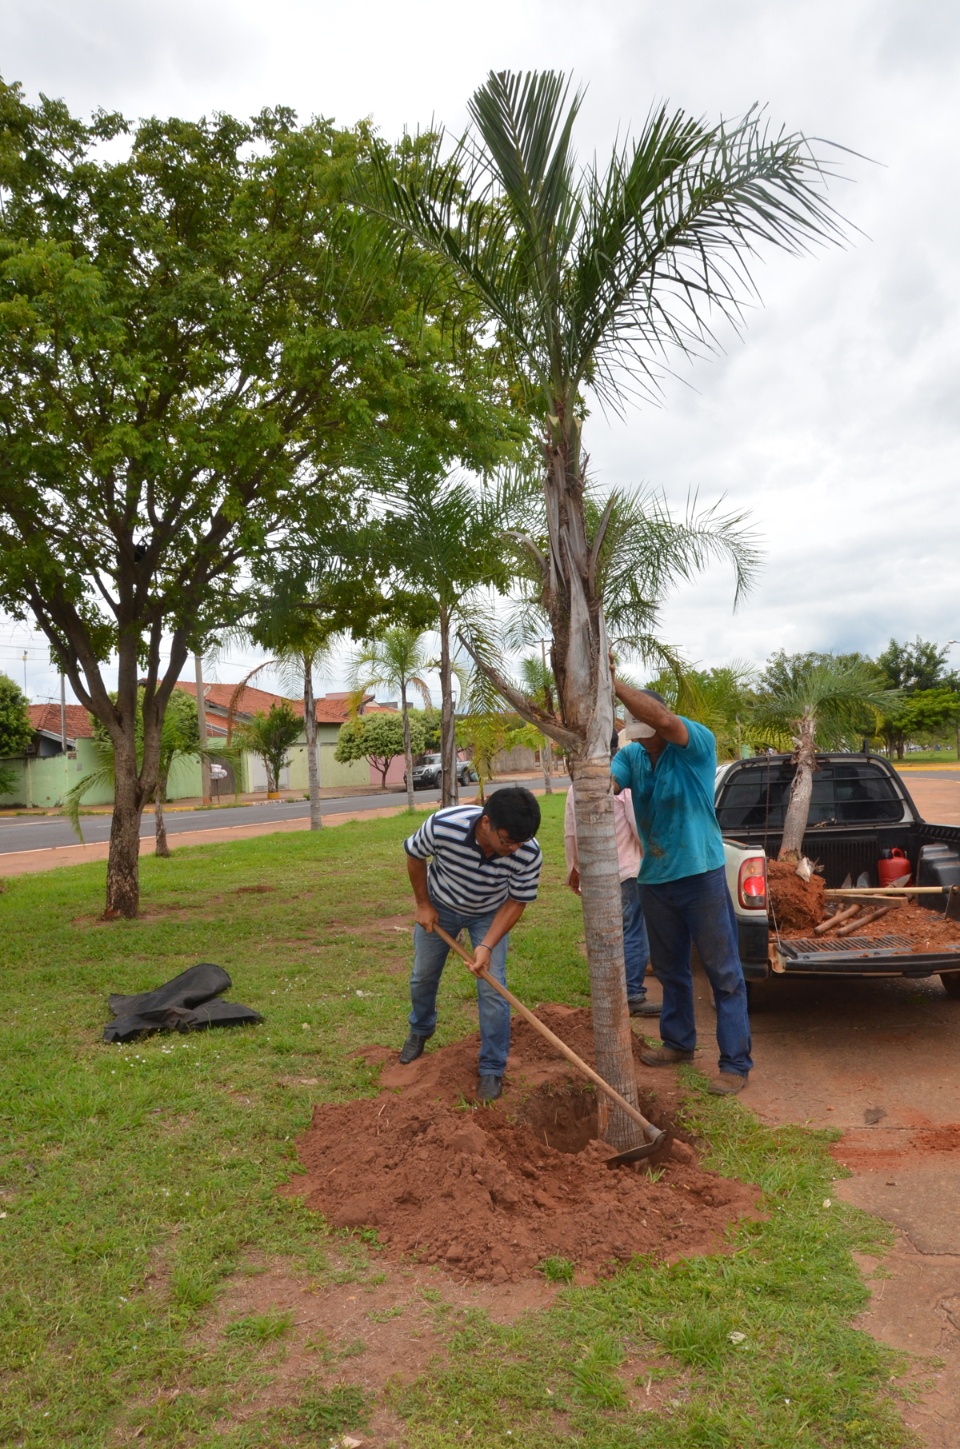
(797,904)
(491,1192)
(384,1327)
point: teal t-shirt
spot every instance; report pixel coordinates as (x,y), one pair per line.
(673,803)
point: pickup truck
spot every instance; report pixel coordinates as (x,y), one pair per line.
(859,807)
(428,769)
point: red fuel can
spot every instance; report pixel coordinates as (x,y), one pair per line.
(892,866)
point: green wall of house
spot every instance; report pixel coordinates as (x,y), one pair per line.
(44,783)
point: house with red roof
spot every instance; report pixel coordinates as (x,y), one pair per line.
(228,705)
(60,753)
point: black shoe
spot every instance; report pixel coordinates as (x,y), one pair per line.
(640,1006)
(489,1088)
(412,1048)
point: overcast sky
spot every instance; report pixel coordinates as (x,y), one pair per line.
(834,419)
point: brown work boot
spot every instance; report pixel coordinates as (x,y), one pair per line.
(728,1084)
(664,1056)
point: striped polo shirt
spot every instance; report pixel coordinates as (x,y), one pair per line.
(460,875)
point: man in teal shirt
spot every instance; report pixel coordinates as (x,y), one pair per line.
(670,774)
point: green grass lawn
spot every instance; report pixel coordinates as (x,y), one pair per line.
(135,1181)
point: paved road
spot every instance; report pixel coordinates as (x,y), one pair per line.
(17,833)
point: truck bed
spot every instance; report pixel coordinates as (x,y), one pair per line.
(860,807)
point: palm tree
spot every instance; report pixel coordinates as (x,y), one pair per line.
(538,683)
(448,546)
(822,700)
(589,278)
(179,739)
(396,659)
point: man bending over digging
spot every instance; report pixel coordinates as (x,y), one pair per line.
(484,870)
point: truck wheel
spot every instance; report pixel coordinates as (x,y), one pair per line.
(951,983)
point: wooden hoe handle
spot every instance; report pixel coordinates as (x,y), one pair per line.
(649,1129)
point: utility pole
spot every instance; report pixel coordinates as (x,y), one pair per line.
(24,671)
(202,726)
(547,748)
(63,713)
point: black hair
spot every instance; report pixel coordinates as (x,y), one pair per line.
(514,810)
(652,694)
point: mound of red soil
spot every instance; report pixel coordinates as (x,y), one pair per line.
(797,904)
(490,1192)
(926,930)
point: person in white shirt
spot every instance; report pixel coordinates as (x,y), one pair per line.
(636,950)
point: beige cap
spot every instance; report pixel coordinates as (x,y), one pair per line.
(635,729)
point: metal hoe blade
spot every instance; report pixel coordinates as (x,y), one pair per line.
(649,1152)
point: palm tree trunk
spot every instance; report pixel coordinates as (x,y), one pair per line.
(407,751)
(448,732)
(310,735)
(161,848)
(600,886)
(798,810)
(582,675)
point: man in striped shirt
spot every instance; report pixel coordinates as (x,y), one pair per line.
(484,868)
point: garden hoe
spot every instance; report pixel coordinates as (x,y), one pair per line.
(657,1142)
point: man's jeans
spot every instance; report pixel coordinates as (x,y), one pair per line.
(636,949)
(429,955)
(697,910)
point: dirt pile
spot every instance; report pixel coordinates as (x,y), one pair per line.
(489,1193)
(927,931)
(797,904)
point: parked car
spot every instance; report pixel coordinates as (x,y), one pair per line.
(859,807)
(428,769)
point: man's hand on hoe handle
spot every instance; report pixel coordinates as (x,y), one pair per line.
(426,915)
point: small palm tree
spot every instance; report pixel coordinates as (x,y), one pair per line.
(396,659)
(179,739)
(821,700)
(448,546)
(589,277)
(269,736)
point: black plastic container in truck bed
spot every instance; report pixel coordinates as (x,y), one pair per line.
(860,806)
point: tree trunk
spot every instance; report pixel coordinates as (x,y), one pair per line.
(546,755)
(162,848)
(449,793)
(407,752)
(310,735)
(600,873)
(798,810)
(582,673)
(123,861)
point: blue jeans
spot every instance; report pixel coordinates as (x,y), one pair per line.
(636,949)
(429,955)
(697,910)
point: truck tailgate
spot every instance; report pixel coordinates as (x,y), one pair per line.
(860,955)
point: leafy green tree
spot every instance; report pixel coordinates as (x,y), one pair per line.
(922,714)
(380,738)
(397,659)
(196,333)
(805,705)
(920,665)
(16,731)
(269,735)
(589,276)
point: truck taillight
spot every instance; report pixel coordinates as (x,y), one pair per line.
(752,883)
